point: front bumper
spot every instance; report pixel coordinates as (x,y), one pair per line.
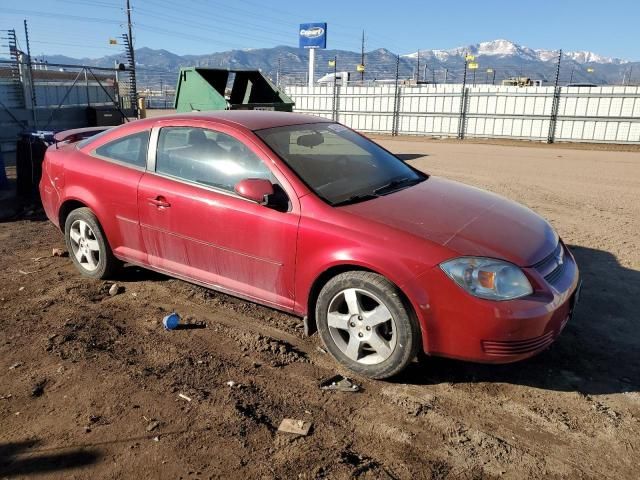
(461,326)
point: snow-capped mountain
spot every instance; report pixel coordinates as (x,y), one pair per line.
(289,63)
(590,57)
(507,48)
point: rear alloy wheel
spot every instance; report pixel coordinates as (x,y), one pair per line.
(365,324)
(87,245)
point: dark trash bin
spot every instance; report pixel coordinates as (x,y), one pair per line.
(30,150)
(105,116)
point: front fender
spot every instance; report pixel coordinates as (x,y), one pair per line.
(398,257)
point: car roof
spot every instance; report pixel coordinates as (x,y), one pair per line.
(251,119)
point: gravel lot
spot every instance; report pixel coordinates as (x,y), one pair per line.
(90,383)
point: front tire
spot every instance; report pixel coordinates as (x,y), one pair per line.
(87,245)
(366,325)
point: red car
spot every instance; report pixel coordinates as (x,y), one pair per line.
(307,216)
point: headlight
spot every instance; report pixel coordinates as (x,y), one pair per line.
(488,278)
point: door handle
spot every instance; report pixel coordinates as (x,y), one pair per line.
(159,202)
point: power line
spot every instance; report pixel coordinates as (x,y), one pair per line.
(47,42)
(204,27)
(91,3)
(60,15)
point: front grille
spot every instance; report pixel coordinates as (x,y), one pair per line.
(555,274)
(552,266)
(517,347)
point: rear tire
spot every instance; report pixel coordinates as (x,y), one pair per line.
(88,246)
(365,323)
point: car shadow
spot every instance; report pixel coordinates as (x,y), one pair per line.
(133,274)
(597,353)
(18,459)
(405,157)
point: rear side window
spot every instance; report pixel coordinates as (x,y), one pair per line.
(207,157)
(131,149)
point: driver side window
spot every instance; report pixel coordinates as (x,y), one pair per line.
(206,157)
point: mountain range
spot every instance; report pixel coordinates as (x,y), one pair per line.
(289,64)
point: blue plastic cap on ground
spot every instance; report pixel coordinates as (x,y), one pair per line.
(171,321)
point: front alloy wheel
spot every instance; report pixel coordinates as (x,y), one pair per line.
(366,324)
(361,326)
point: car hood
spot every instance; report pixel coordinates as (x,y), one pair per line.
(466,219)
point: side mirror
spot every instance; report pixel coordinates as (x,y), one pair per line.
(256,189)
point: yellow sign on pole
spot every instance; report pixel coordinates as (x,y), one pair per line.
(332,63)
(360,67)
(489,70)
(473,66)
(470,58)
(590,70)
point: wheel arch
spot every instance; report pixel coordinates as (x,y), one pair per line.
(67,207)
(334,270)
(73,203)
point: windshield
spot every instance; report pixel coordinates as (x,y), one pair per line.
(338,164)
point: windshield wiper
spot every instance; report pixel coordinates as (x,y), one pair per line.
(396,184)
(355,199)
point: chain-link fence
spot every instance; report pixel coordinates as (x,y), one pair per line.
(49,96)
(157,87)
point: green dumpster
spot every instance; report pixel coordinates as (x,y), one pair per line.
(202,89)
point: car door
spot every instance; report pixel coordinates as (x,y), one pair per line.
(195,226)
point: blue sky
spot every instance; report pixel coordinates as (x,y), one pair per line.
(82,28)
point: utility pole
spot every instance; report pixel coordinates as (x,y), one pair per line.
(362,57)
(130,30)
(31,84)
(418,69)
(132,61)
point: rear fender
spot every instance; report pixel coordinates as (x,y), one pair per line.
(82,195)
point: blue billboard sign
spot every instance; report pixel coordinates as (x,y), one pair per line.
(313,35)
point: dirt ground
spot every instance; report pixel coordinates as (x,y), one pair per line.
(90,383)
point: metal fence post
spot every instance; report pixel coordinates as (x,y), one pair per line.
(463,103)
(86,84)
(334,113)
(396,101)
(555,103)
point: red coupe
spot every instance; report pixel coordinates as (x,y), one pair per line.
(310,217)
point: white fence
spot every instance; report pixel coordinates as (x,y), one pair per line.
(571,114)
